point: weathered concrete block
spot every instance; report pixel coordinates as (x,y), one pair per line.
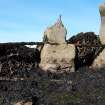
(58,57)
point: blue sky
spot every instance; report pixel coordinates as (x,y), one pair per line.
(26,20)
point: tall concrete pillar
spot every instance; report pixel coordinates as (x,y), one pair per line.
(102,28)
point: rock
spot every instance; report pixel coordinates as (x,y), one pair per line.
(99,62)
(15,60)
(84,54)
(102,29)
(23,103)
(56,54)
(51,67)
(56,33)
(56,57)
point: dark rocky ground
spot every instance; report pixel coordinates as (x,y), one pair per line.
(85,87)
(21,80)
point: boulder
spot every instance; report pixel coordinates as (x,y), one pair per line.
(23,103)
(56,33)
(99,62)
(58,57)
(84,54)
(102,28)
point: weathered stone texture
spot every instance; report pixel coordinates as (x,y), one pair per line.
(57,57)
(23,103)
(99,62)
(56,33)
(102,28)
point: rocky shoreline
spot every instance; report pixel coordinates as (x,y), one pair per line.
(22,82)
(85,87)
